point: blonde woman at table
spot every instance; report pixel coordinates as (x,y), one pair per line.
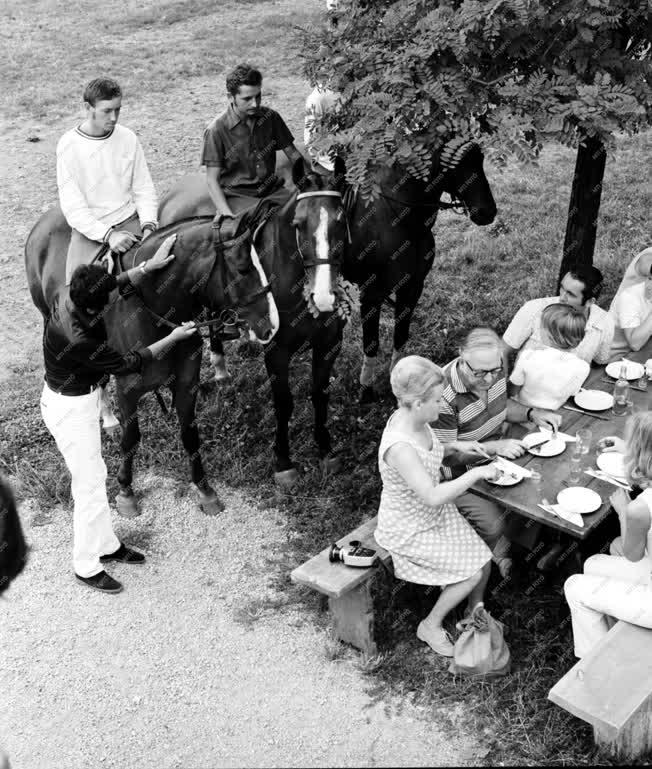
(619,586)
(547,377)
(429,541)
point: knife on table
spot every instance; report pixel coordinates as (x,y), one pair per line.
(588,413)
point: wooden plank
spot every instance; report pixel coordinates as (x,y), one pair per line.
(611,683)
(353,618)
(336,579)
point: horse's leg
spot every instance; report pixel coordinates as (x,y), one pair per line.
(128,398)
(408,295)
(184,388)
(370,313)
(325,350)
(277,363)
(218,361)
(109,421)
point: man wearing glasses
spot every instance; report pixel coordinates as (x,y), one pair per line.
(475,407)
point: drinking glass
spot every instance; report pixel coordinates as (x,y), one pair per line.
(583,439)
(575,462)
(537,478)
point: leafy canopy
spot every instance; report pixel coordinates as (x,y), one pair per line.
(412,72)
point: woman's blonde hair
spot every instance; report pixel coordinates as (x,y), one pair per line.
(564,325)
(413,377)
(638,442)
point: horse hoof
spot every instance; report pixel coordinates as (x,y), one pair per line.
(211,505)
(222,376)
(287,478)
(330,465)
(367,395)
(127,505)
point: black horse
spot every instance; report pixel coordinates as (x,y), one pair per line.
(205,273)
(300,247)
(392,247)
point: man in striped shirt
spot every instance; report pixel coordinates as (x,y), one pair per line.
(475,407)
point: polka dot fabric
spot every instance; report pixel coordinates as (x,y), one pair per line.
(429,545)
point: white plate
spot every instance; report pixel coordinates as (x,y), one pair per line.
(634,370)
(594,400)
(550,449)
(612,462)
(505,480)
(577,499)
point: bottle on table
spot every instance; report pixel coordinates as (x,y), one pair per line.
(621,392)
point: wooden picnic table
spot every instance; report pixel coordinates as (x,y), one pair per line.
(523,498)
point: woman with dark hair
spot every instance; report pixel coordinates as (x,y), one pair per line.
(13,549)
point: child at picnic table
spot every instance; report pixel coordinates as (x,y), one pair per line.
(545,378)
(619,586)
(429,540)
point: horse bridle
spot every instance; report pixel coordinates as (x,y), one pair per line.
(344,300)
(317,194)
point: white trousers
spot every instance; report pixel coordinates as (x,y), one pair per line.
(74,421)
(611,586)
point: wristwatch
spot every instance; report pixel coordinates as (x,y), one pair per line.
(528,413)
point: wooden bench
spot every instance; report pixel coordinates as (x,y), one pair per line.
(347,588)
(611,689)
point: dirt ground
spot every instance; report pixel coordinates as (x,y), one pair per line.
(173,672)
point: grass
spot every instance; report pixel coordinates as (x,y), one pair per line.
(481,275)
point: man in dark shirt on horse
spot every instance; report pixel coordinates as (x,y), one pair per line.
(77,359)
(239,149)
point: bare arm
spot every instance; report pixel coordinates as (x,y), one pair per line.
(638,337)
(216,192)
(293,154)
(405,460)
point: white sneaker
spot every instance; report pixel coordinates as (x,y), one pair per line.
(437,639)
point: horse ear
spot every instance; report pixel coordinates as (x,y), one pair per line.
(339,172)
(299,173)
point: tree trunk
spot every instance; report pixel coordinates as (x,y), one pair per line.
(584,205)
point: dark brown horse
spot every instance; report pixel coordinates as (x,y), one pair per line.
(204,273)
(301,249)
(392,246)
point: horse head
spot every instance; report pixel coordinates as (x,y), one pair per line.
(321,231)
(243,279)
(461,174)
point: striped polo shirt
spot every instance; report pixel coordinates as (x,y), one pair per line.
(465,417)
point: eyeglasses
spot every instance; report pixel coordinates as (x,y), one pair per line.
(481,373)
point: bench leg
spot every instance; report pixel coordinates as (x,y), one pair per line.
(634,740)
(353,618)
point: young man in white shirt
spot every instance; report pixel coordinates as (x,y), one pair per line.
(632,310)
(580,287)
(105,189)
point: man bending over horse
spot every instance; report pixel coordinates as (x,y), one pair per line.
(77,356)
(239,149)
(105,189)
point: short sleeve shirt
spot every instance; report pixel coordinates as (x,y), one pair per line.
(246,157)
(525,330)
(465,417)
(630,310)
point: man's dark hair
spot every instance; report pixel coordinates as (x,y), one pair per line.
(101,89)
(592,279)
(243,74)
(13,549)
(91,286)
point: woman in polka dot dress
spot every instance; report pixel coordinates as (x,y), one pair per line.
(429,540)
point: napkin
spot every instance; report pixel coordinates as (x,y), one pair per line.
(560,512)
(608,478)
(564,436)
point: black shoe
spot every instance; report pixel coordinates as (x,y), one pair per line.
(102,582)
(124,554)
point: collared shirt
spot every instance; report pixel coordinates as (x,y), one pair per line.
(246,157)
(76,350)
(525,330)
(549,376)
(464,416)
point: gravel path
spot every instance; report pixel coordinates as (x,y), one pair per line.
(164,675)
